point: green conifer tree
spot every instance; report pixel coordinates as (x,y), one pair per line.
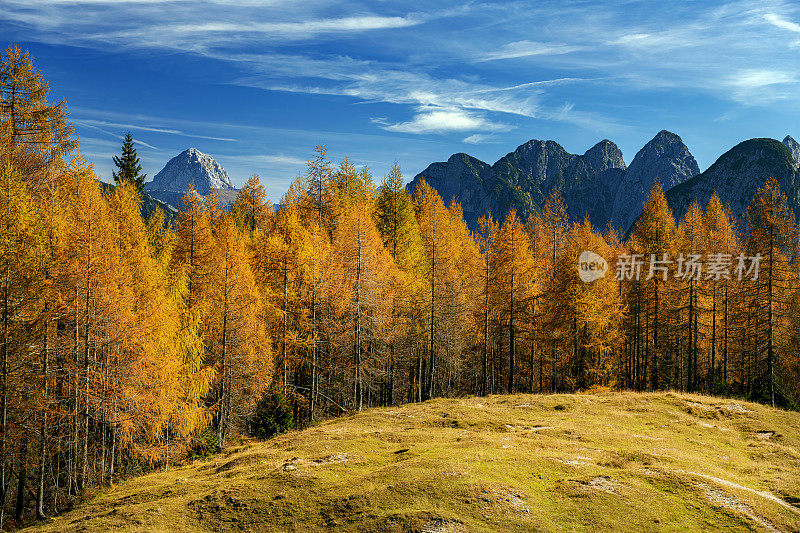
(128,165)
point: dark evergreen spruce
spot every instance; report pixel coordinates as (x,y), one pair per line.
(128,165)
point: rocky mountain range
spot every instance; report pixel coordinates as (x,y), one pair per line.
(597,184)
(738,173)
(190,168)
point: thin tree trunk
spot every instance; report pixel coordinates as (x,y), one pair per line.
(4,398)
(284,331)
(86,361)
(223,422)
(654,381)
(432,315)
(725,343)
(714,329)
(512,348)
(484,375)
(771,346)
(40,514)
(22,479)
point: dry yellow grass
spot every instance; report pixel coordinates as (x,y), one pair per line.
(580,462)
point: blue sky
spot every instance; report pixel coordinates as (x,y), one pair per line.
(258,83)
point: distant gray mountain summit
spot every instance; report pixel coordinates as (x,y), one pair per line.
(190,167)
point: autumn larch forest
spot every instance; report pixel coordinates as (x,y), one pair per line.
(129,342)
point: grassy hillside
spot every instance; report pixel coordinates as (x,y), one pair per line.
(605,462)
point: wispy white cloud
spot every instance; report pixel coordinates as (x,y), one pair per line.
(281,160)
(519,49)
(432,119)
(371,82)
(541,85)
(763,86)
(784,24)
(195,27)
(476,138)
(285,30)
(115,135)
(758,78)
(140,127)
(142,143)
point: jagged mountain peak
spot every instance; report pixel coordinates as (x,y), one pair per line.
(604,155)
(664,158)
(523,179)
(794,148)
(191,167)
(462,157)
(667,136)
(668,147)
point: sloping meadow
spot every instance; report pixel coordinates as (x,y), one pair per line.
(609,461)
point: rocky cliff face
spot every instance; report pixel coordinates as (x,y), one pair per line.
(523,178)
(666,159)
(736,176)
(794,148)
(590,184)
(190,167)
(465,179)
(537,167)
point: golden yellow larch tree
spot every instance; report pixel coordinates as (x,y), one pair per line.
(486,238)
(689,271)
(281,256)
(555,320)
(251,205)
(361,277)
(773,237)
(34,132)
(515,281)
(655,232)
(432,220)
(394,218)
(596,310)
(152,375)
(21,253)
(93,283)
(459,293)
(721,246)
(238,345)
(195,249)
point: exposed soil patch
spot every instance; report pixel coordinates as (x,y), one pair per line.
(509,427)
(427,522)
(603,484)
(763,493)
(736,408)
(330,459)
(728,501)
(577,488)
(439,525)
(573,462)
